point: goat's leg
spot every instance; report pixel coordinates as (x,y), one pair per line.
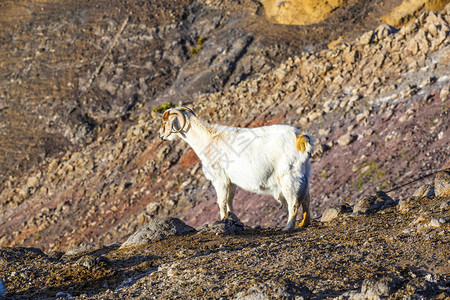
(290,188)
(231,192)
(224,191)
(292,211)
(306,213)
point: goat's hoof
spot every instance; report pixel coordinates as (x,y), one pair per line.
(303,224)
(306,220)
(288,228)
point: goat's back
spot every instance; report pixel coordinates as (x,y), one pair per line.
(255,157)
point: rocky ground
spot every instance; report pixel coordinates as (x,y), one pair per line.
(388,250)
(86,77)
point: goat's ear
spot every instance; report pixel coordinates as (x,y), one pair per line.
(166,115)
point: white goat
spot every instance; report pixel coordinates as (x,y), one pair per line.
(270,160)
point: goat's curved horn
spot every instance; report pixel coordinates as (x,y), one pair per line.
(180,116)
(188,109)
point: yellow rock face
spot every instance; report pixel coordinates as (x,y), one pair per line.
(299,12)
(306,12)
(408,10)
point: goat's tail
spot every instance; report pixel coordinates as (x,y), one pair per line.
(305,143)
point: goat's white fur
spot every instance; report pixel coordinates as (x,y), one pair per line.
(264,160)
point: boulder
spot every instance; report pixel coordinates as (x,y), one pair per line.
(445,91)
(334,211)
(274,290)
(442,184)
(346,139)
(445,206)
(383,31)
(81,250)
(406,205)
(378,289)
(426,190)
(373,203)
(158,230)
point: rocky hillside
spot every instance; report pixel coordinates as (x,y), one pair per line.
(93,168)
(86,77)
(82,88)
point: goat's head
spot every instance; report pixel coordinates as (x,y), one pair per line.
(174,121)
